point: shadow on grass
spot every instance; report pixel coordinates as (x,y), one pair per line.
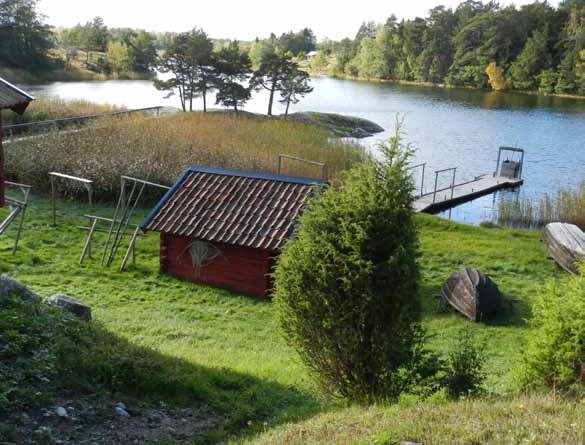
(511,314)
(514,313)
(98,358)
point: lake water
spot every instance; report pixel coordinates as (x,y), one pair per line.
(448,127)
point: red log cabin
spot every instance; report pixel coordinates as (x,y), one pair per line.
(224,228)
(15,99)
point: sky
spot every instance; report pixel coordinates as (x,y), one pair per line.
(243,19)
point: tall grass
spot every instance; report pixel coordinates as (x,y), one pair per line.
(567,205)
(53,108)
(160,149)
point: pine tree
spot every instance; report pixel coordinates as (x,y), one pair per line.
(275,68)
(294,88)
(234,68)
(533,59)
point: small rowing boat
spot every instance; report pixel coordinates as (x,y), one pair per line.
(472,293)
(565,244)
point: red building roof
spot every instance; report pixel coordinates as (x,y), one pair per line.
(228,206)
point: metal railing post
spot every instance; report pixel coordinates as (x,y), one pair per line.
(435,190)
(453,183)
(422,180)
(53,200)
(498,162)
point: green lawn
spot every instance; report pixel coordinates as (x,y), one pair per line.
(205,346)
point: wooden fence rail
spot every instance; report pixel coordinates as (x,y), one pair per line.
(10,130)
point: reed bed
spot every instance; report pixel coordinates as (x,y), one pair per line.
(159,149)
(42,109)
(566,205)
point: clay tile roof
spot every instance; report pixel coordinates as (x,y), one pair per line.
(254,210)
(13,97)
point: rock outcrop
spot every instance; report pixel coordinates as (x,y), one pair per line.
(72,305)
(10,287)
(339,125)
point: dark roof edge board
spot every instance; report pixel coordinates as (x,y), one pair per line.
(20,106)
(226,172)
(255,175)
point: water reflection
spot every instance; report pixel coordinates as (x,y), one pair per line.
(481,209)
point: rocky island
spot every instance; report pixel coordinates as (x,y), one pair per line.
(339,125)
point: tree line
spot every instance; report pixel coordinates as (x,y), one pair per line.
(29,43)
(109,50)
(192,68)
(535,47)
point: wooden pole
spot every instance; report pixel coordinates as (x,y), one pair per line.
(87,246)
(26,192)
(54,212)
(422,181)
(1,165)
(130,250)
(435,192)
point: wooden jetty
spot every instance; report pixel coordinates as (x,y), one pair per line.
(565,244)
(467,191)
(508,174)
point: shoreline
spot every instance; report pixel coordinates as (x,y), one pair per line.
(446,86)
(21,76)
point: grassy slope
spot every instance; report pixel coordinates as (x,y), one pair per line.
(223,350)
(219,349)
(515,259)
(539,420)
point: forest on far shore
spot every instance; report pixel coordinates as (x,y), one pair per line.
(478,44)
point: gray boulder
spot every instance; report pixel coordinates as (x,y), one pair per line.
(339,125)
(70,304)
(10,287)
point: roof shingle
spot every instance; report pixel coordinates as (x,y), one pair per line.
(13,97)
(229,206)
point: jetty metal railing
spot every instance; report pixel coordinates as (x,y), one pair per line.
(422,180)
(10,130)
(452,187)
(513,150)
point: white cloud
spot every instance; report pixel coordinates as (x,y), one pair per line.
(240,19)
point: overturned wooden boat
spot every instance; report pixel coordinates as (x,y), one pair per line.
(473,294)
(565,244)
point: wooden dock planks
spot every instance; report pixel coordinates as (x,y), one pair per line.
(446,198)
